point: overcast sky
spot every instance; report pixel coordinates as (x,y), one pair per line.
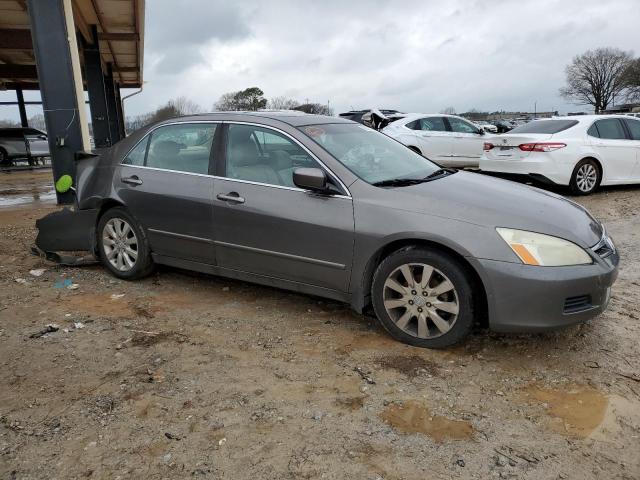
(418,56)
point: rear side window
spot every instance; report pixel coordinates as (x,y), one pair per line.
(634,128)
(181,147)
(593,131)
(611,129)
(415,125)
(136,156)
(545,126)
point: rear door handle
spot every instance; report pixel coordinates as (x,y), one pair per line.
(133,180)
(231,197)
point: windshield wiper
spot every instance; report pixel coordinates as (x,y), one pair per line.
(405,182)
(398,182)
(441,171)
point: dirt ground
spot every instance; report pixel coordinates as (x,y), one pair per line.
(184,375)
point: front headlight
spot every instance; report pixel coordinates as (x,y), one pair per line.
(545,250)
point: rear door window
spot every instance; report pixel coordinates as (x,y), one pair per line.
(545,126)
(611,129)
(433,124)
(634,128)
(181,147)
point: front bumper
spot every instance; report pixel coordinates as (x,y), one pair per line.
(523,298)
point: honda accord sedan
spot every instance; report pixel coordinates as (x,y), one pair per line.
(328,207)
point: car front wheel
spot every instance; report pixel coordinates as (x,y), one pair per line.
(586,177)
(423,298)
(123,246)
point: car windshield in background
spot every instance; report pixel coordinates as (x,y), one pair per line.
(545,126)
(371,155)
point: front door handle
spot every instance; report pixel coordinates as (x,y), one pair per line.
(231,197)
(133,180)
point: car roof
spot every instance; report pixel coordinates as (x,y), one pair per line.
(585,118)
(290,117)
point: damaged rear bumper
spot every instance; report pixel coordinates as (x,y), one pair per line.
(67,231)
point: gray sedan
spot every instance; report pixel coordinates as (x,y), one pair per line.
(328,207)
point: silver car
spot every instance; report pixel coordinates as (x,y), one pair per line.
(22,143)
(328,207)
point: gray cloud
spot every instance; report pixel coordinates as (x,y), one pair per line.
(411,55)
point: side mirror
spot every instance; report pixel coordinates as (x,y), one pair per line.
(313,179)
(481,131)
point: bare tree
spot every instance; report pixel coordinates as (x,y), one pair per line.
(251,99)
(448,111)
(282,103)
(316,108)
(226,102)
(632,79)
(184,106)
(597,77)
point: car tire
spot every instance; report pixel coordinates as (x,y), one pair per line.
(4,157)
(586,177)
(423,311)
(123,246)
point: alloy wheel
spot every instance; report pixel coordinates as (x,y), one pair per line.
(421,300)
(120,244)
(586,177)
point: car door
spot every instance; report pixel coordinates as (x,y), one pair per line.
(467,141)
(266,226)
(37,142)
(633,126)
(609,139)
(434,139)
(165,183)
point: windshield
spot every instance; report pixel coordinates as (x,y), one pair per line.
(545,126)
(371,155)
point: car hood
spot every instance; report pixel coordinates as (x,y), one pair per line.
(493,202)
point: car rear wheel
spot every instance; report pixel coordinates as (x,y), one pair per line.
(423,298)
(123,246)
(586,177)
(4,158)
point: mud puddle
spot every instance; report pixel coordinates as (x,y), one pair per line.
(577,410)
(415,417)
(10,197)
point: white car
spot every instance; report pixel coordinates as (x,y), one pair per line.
(486,126)
(582,152)
(446,139)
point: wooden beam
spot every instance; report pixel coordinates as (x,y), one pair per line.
(15,39)
(125,69)
(118,37)
(18,72)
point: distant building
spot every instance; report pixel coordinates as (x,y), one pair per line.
(624,108)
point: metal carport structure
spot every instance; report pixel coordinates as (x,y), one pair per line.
(62,48)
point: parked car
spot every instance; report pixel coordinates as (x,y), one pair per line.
(486,126)
(502,126)
(582,152)
(446,139)
(325,206)
(22,144)
(373,118)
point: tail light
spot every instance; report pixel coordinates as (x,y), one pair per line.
(487,146)
(541,147)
